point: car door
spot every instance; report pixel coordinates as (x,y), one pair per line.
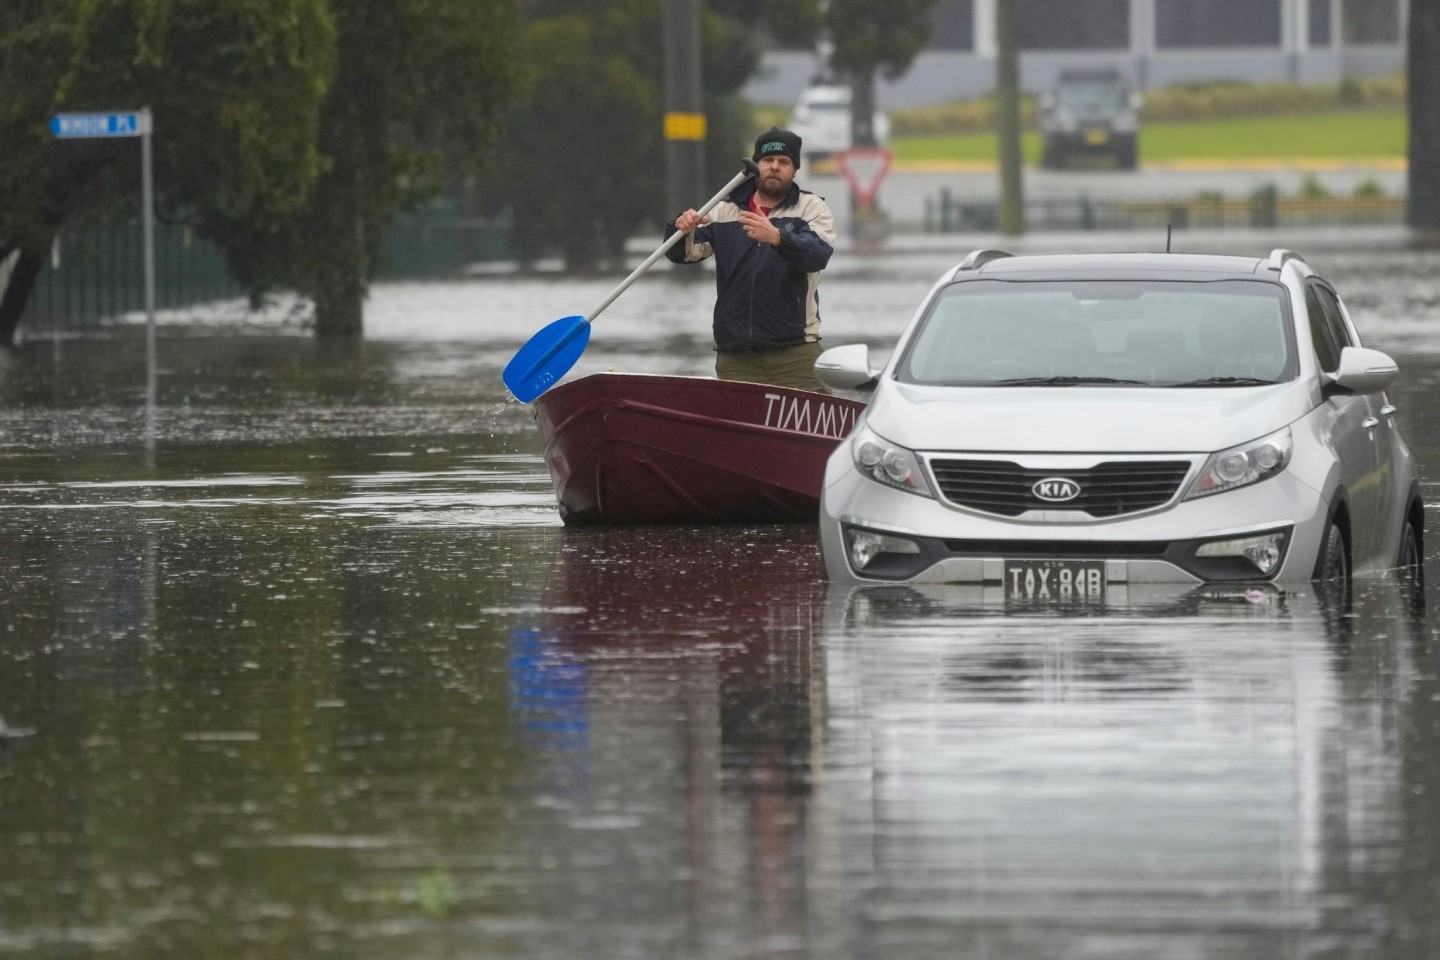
(1352,423)
(1390,502)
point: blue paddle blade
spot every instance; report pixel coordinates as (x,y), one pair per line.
(546,357)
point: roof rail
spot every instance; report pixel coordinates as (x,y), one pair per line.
(1279,255)
(978,258)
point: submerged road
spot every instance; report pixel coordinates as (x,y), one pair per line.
(312,669)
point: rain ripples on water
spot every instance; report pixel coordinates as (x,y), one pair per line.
(304,664)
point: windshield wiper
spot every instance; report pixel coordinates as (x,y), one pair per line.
(1060,381)
(1225,382)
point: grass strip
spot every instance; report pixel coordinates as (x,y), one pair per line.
(1340,136)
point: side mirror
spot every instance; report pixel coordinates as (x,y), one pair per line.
(1361,371)
(845,368)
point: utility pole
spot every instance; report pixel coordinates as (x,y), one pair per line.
(1007,97)
(684,107)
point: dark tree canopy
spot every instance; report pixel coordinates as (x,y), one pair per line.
(583,159)
(871,38)
(235,88)
(419,85)
(290,131)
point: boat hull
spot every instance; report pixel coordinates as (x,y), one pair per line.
(638,449)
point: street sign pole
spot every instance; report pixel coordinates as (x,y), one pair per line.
(88,126)
(147,217)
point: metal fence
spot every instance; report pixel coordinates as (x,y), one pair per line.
(99,272)
(947,213)
(424,245)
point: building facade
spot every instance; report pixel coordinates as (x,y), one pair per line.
(1156,43)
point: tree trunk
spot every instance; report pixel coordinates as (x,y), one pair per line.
(340,303)
(16,289)
(862,108)
(1423,210)
(1007,96)
(341,277)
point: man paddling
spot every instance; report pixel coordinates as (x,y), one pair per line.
(770,240)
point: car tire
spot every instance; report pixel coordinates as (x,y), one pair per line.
(1410,564)
(1126,158)
(1409,561)
(1333,564)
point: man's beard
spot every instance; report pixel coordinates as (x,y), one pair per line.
(774,193)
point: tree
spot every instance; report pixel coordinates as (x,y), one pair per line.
(235,88)
(289,131)
(419,86)
(872,38)
(1423,79)
(583,151)
(583,143)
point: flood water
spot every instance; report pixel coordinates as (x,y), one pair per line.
(302,663)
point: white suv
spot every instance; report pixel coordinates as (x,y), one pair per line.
(1053,426)
(822,120)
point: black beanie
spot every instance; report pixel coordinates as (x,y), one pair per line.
(777,140)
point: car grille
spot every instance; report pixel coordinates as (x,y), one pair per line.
(1060,549)
(1106,489)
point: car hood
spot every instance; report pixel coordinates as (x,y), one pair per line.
(1082,419)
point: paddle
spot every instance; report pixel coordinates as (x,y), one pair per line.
(550,353)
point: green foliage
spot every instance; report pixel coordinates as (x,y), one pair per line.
(291,131)
(234,85)
(1369,190)
(961,116)
(437,893)
(789,23)
(582,163)
(581,145)
(1220,100)
(418,89)
(871,37)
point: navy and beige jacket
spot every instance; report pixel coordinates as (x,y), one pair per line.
(766,296)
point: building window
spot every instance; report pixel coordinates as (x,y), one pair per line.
(1072,25)
(1320,23)
(1217,23)
(952,25)
(1371,21)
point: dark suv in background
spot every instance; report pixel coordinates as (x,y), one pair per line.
(1090,113)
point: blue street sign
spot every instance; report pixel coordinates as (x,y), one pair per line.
(85,125)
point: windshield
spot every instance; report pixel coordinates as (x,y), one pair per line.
(1148,333)
(1091,98)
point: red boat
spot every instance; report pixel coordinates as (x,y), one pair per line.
(630,448)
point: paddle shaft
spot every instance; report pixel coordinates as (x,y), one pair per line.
(673,239)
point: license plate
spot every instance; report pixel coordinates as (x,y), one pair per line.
(1055,581)
(1096,138)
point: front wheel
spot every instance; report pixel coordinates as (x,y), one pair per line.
(1334,562)
(1127,156)
(1408,559)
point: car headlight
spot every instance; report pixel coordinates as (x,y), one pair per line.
(887,463)
(1243,465)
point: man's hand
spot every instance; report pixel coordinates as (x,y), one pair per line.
(688,221)
(758,228)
